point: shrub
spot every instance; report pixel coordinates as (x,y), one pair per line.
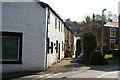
(96,58)
(89,43)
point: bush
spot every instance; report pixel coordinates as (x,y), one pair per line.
(89,43)
(97,59)
(91,56)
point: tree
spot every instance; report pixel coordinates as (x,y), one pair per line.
(89,43)
(111,17)
(94,24)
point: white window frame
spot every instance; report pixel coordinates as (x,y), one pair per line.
(114,44)
(111,32)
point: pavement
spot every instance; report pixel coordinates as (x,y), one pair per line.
(65,69)
(60,66)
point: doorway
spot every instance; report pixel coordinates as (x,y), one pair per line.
(59,52)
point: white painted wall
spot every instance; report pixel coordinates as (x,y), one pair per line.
(0,39)
(55,34)
(75,41)
(19,0)
(30,19)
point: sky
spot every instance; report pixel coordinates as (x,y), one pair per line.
(76,10)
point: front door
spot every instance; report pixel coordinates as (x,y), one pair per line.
(59,52)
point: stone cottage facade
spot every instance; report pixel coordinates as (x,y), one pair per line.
(32,35)
(69,42)
(111,36)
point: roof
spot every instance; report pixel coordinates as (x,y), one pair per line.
(44,5)
(112,24)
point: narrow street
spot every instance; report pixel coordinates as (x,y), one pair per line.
(67,70)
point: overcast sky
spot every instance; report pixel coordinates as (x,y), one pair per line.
(76,10)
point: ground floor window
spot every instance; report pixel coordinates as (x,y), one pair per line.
(51,47)
(56,46)
(48,42)
(62,46)
(11,47)
(112,44)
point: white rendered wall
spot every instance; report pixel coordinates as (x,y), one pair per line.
(30,19)
(75,41)
(55,34)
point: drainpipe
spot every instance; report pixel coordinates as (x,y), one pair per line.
(46,39)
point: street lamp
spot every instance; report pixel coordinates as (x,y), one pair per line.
(102,29)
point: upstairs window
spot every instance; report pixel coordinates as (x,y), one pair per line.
(59,25)
(112,32)
(11,47)
(48,17)
(55,23)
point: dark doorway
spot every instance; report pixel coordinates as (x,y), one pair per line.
(78,48)
(59,52)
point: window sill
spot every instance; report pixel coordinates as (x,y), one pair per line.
(112,36)
(11,62)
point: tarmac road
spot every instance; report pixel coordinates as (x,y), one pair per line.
(66,70)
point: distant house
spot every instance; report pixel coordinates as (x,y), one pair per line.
(111,36)
(76,48)
(32,36)
(77,31)
(74,26)
(69,42)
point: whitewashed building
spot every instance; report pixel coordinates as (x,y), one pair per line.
(32,36)
(75,45)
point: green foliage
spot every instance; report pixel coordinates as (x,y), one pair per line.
(96,58)
(108,56)
(89,43)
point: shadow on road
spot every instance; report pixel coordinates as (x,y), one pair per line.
(113,65)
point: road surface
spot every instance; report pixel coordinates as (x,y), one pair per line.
(67,70)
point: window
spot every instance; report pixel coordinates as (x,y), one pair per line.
(112,32)
(11,47)
(62,46)
(51,47)
(48,42)
(59,25)
(56,46)
(112,44)
(48,17)
(55,23)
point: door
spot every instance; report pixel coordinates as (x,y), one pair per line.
(59,52)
